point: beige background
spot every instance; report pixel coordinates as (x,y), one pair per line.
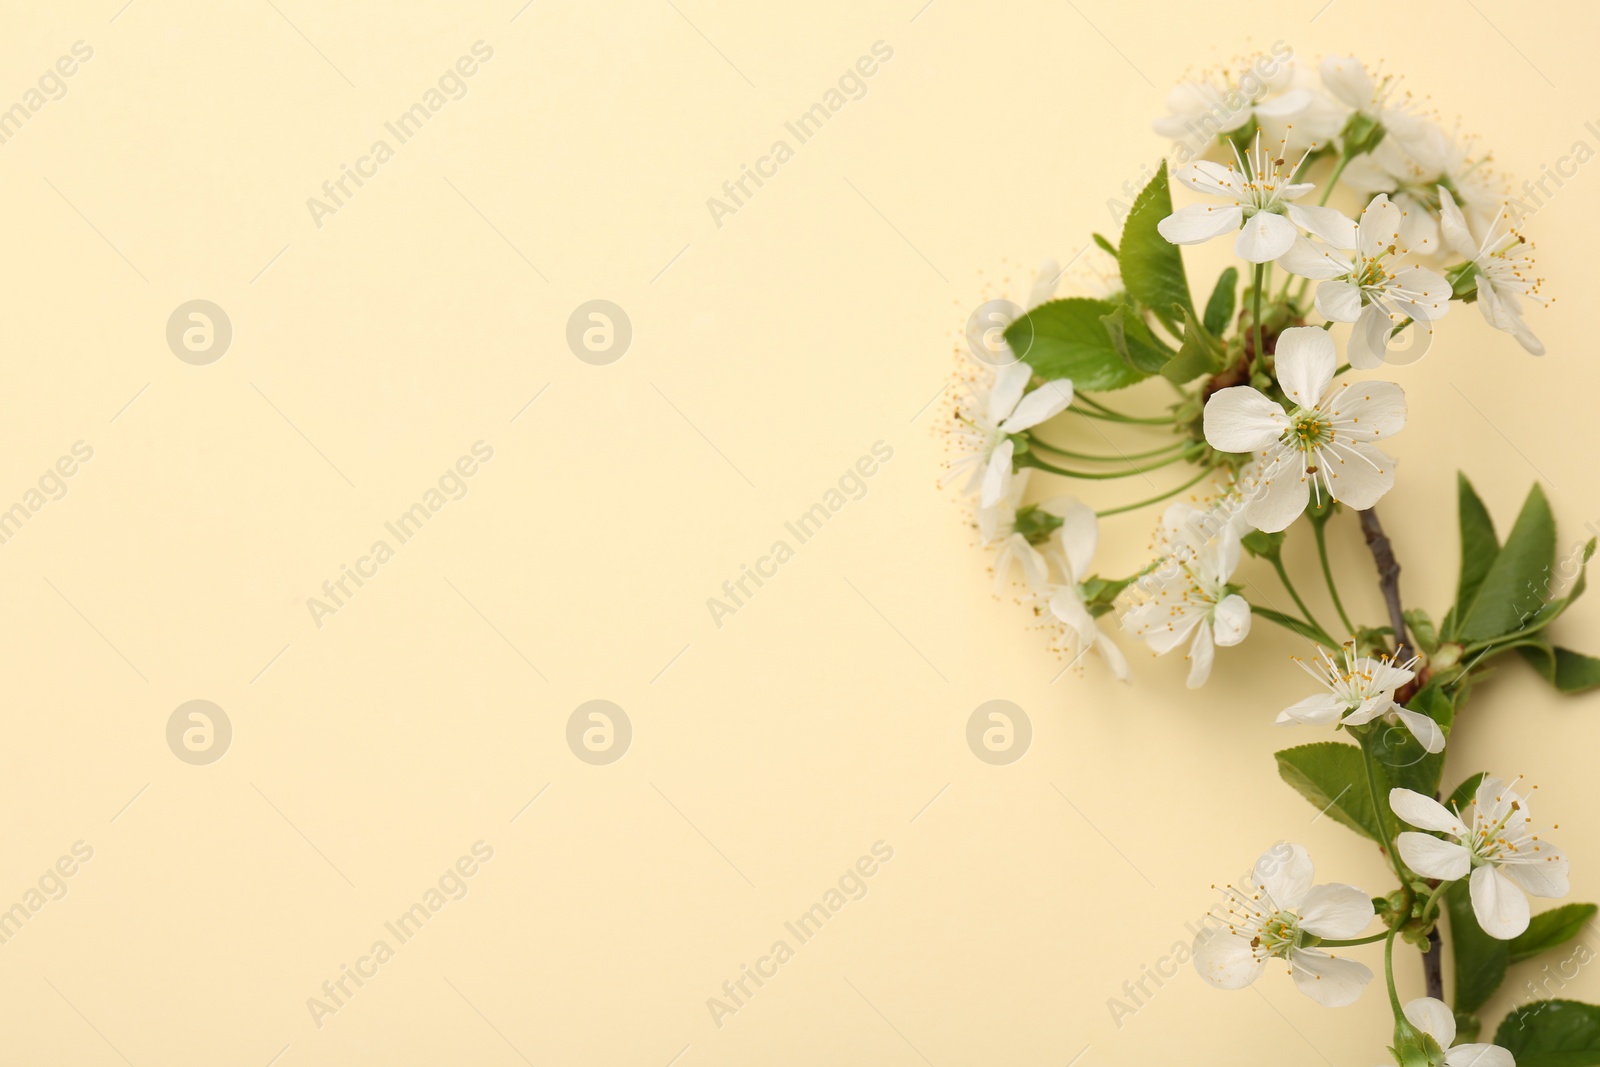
(768,354)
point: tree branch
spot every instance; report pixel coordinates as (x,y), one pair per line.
(1388,576)
(1433,966)
(1389,583)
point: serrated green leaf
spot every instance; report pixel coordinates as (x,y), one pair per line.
(1479,547)
(1066,339)
(1550,929)
(1219,309)
(1130,335)
(1332,776)
(1478,960)
(1552,1033)
(1152,266)
(1509,595)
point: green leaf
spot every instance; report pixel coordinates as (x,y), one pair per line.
(1332,777)
(1403,759)
(1198,354)
(1131,337)
(1479,961)
(1550,929)
(1509,593)
(1479,547)
(1568,671)
(1105,245)
(1066,339)
(1219,309)
(1152,266)
(1552,1033)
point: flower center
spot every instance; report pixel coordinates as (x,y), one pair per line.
(1279,933)
(1309,430)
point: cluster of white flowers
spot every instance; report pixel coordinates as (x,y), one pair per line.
(1423,182)
(1283,426)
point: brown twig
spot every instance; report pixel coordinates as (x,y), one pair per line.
(1388,577)
(1389,582)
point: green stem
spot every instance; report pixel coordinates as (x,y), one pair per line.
(1103,412)
(1433,900)
(1327,574)
(1369,939)
(1030,460)
(1333,179)
(1379,806)
(1260,361)
(1152,500)
(1388,971)
(1283,576)
(1298,626)
(1048,447)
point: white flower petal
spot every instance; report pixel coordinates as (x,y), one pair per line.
(1242,419)
(1309,259)
(997,478)
(1323,709)
(1264,238)
(1213,179)
(1231,620)
(1285,871)
(1542,874)
(1287,106)
(1421,293)
(1279,498)
(1009,382)
(1479,1055)
(1424,812)
(1379,228)
(1330,224)
(1378,410)
(1079,534)
(1434,1018)
(1423,728)
(1112,655)
(1045,402)
(1225,960)
(1453,226)
(1339,299)
(1361,475)
(1347,79)
(1199,223)
(1335,911)
(1202,650)
(1330,981)
(1501,907)
(1433,858)
(1305,359)
(1369,341)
